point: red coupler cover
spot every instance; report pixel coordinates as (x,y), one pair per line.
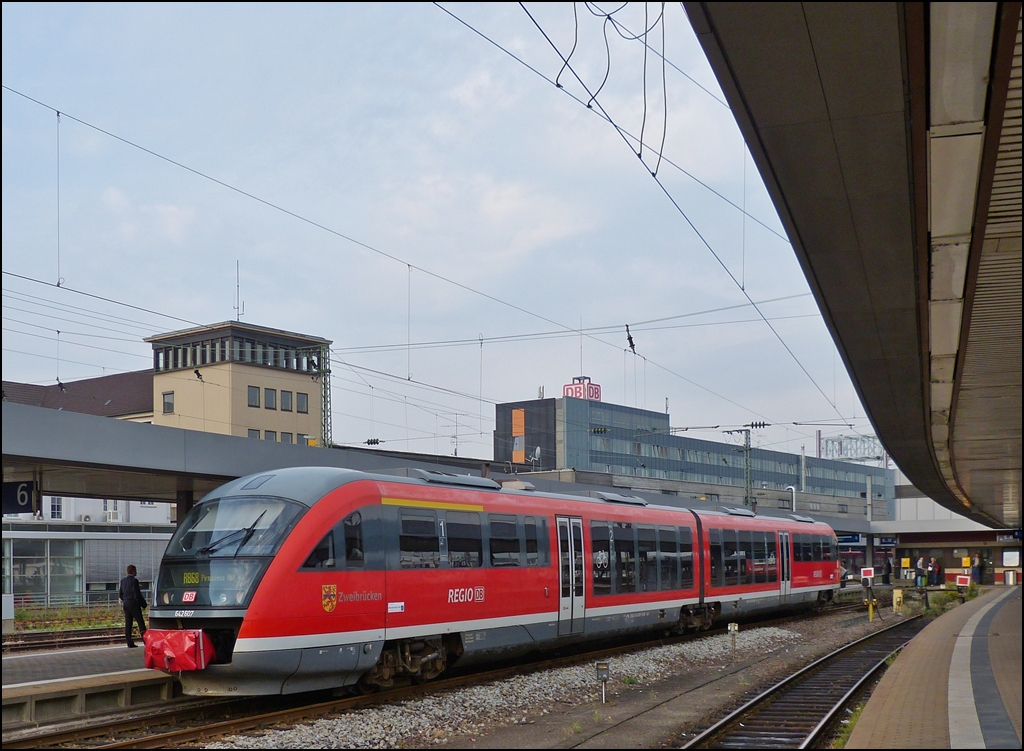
(177,651)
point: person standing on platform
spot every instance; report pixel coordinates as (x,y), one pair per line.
(919,571)
(931,572)
(887,571)
(130,594)
(976,569)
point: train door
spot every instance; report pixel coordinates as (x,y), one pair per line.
(785,568)
(570,575)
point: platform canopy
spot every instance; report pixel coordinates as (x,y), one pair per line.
(889,137)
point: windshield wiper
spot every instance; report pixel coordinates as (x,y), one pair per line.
(248,531)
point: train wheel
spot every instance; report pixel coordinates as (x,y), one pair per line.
(364,687)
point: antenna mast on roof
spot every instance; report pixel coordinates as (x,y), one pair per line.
(239,306)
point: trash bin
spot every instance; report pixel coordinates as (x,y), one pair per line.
(1010,578)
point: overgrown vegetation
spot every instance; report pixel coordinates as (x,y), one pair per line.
(68,617)
(937,602)
(846,727)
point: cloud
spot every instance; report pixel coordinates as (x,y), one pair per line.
(155,222)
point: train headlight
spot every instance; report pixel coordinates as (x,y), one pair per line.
(167,598)
(240,596)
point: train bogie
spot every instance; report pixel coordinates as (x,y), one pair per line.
(314,578)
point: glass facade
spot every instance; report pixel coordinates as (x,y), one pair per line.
(43,572)
(601,437)
(237,349)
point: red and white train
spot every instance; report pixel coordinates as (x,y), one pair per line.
(309,578)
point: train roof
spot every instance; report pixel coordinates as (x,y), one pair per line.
(307,485)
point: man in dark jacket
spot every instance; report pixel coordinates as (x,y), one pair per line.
(130,595)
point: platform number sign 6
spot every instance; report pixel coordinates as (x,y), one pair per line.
(17,497)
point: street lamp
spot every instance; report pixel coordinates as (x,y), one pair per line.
(792,490)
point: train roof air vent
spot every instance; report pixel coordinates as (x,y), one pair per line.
(444,478)
(804,519)
(256,482)
(518,485)
(737,511)
(616,498)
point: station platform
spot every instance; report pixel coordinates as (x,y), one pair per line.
(69,683)
(68,663)
(957,684)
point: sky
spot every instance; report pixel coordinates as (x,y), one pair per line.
(426,186)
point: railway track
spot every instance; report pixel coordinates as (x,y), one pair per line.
(30,641)
(799,710)
(199,721)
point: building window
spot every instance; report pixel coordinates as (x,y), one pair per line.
(56,507)
(270,398)
(254,433)
(302,403)
(843,508)
(168,402)
(271,435)
(254,396)
(286,401)
(302,439)
(286,437)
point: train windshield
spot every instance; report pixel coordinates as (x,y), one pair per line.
(232,527)
(219,553)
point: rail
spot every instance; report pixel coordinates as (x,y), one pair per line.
(27,641)
(795,712)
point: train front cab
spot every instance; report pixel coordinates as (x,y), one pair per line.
(239,569)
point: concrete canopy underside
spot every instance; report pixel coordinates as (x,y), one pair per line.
(832,99)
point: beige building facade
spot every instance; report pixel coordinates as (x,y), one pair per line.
(244,380)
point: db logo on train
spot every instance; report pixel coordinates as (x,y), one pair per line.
(466,594)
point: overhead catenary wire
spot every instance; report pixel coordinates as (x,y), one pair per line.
(579,101)
(315,224)
(682,213)
(194,323)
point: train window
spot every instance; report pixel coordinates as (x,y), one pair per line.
(504,538)
(323,554)
(717,570)
(418,543)
(625,557)
(760,558)
(773,560)
(531,541)
(668,558)
(352,527)
(465,543)
(833,546)
(685,558)
(730,556)
(798,548)
(537,541)
(747,555)
(816,553)
(648,558)
(600,543)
